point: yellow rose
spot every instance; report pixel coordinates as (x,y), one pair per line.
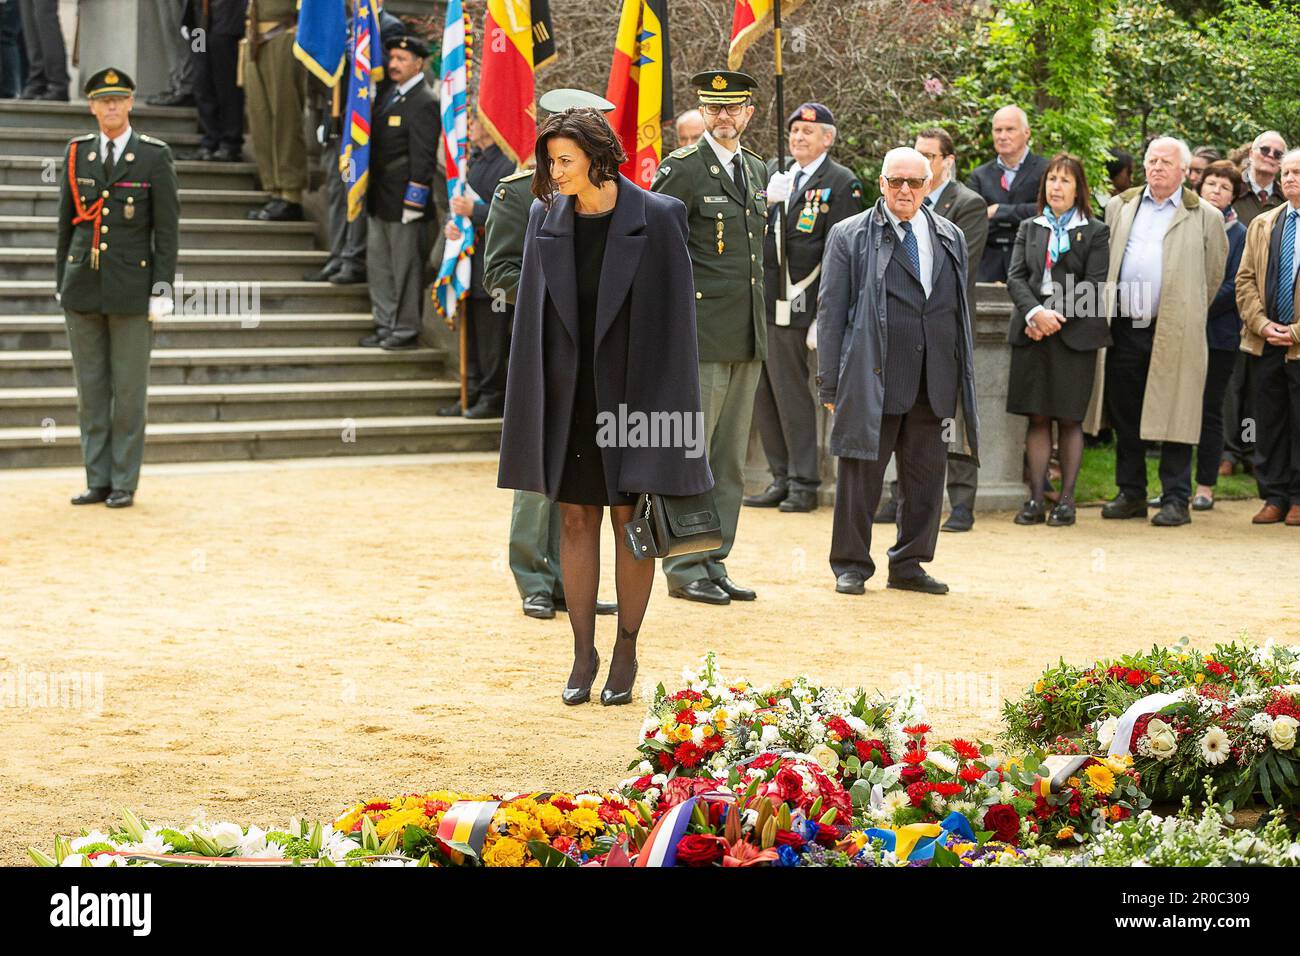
(505,852)
(1073,782)
(706,730)
(1155,678)
(1038,687)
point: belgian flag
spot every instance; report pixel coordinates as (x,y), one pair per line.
(640,86)
(517,41)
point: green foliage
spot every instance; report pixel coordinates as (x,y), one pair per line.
(1270,37)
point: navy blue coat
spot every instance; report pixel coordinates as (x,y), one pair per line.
(851,332)
(646,356)
(1223,325)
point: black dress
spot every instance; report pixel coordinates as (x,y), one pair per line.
(583,479)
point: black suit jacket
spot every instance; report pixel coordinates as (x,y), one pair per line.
(224,17)
(1014,207)
(487,167)
(1081,272)
(804,249)
(403,150)
(965,209)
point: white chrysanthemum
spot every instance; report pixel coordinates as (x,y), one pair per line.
(857,723)
(897,800)
(1260,723)
(659,779)
(943,761)
(253,842)
(770,735)
(1214,746)
(94,836)
(226,836)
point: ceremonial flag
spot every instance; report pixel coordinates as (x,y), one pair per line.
(749,20)
(322,38)
(517,40)
(640,86)
(660,848)
(454,274)
(354,159)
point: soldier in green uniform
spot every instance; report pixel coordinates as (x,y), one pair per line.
(723,186)
(534,520)
(275,91)
(119,220)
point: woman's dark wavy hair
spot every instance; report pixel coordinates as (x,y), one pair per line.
(595,137)
(1074,166)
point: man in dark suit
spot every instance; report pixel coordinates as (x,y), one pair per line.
(216,90)
(403,162)
(965,209)
(804,200)
(1008,185)
(902,381)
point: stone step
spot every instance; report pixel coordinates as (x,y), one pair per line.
(214,299)
(195,203)
(51,143)
(258,401)
(249,265)
(53,367)
(38,170)
(19,231)
(32,333)
(283,438)
(74,119)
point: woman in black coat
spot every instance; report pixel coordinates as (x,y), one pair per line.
(1056,280)
(603,389)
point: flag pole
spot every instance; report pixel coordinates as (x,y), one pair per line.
(780,141)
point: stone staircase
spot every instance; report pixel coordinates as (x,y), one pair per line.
(281,379)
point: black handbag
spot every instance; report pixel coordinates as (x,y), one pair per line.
(673,524)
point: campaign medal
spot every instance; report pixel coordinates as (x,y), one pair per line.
(808,218)
(129,209)
(721,244)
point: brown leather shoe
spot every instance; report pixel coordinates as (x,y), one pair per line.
(1225,469)
(1293,516)
(1269,514)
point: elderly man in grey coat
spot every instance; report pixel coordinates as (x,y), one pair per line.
(896,367)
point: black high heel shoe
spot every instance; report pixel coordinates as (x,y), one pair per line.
(580,695)
(614,698)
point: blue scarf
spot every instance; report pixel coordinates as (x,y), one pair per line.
(1059,242)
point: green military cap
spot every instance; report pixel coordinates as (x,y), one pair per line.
(557,101)
(723,86)
(109,82)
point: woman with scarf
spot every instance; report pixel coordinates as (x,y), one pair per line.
(1056,281)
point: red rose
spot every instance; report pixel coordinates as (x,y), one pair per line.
(1003,820)
(665,760)
(827,835)
(789,785)
(875,751)
(698,849)
(911,775)
(642,783)
(789,838)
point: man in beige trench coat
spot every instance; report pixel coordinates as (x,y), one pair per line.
(1167,254)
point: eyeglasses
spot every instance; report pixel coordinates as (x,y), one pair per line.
(912,182)
(1270,151)
(931,157)
(731,109)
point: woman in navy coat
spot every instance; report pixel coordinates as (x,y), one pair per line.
(603,391)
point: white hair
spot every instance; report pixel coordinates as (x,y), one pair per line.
(1291,156)
(905,152)
(1268,132)
(689,114)
(1024,117)
(1184,154)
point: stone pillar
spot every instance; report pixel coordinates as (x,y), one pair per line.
(1002,436)
(124,34)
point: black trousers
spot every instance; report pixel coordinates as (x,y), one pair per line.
(1277,433)
(487,353)
(1238,409)
(1209,450)
(916,438)
(1127,363)
(217,94)
(47,57)
(786,411)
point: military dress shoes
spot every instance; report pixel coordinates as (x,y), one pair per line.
(540,606)
(278,210)
(484,410)
(323,274)
(734,590)
(201,155)
(799,501)
(704,591)
(120,499)
(348,275)
(921,582)
(374,340)
(227,154)
(1125,506)
(91,496)
(961,519)
(452,410)
(769,497)
(1172,513)
(1269,514)
(851,582)
(400,341)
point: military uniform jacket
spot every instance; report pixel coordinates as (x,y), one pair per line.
(830,194)
(486,168)
(403,150)
(507,223)
(726,246)
(139,225)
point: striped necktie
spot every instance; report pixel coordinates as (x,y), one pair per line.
(1286,271)
(910,247)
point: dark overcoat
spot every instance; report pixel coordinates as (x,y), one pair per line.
(852,339)
(646,356)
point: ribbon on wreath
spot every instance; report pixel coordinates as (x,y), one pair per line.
(1121,745)
(917,841)
(466,822)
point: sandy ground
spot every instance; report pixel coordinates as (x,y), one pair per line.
(281,640)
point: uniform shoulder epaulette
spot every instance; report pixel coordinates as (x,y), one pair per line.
(151,140)
(681,151)
(518,174)
(746,149)
(82,138)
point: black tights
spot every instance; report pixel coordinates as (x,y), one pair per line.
(1038,448)
(580,564)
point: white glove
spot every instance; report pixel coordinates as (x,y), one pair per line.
(410,215)
(779,186)
(160,306)
(810,339)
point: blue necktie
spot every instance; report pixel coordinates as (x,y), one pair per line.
(1286,271)
(909,246)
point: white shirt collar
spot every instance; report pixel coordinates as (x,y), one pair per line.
(809,169)
(1170,200)
(119,142)
(938,191)
(919,222)
(1256,187)
(1017,164)
(725,156)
